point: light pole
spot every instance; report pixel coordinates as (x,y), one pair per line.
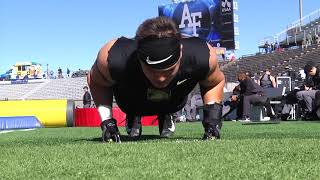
(300,10)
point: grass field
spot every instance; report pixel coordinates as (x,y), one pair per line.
(290,150)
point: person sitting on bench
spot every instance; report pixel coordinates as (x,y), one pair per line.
(250,93)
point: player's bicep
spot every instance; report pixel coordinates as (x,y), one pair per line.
(215,76)
(97,77)
(99,73)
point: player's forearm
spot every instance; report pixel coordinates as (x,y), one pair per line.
(101,95)
(100,89)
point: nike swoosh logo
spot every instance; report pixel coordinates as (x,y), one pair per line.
(180,82)
(173,127)
(157,62)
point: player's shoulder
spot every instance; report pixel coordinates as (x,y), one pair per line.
(192,41)
(107,46)
(122,41)
(197,46)
(119,45)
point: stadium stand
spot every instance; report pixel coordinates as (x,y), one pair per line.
(278,62)
(296,31)
(71,88)
(68,88)
(15,91)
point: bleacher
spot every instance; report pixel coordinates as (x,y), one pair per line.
(15,91)
(277,62)
(68,88)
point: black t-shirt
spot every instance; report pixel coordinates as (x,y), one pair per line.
(248,87)
(86,98)
(313,81)
(136,95)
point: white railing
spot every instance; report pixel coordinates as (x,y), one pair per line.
(295,26)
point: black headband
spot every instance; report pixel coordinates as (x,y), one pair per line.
(159,53)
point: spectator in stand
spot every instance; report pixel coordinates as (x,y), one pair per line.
(223,56)
(60,73)
(304,43)
(309,39)
(267,80)
(231,56)
(52,75)
(317,39)
(271,47)
(312,85)
(276,46)
(248,73)
(86,98)
(266,47)
(256,77)
(68,72)
(252,76)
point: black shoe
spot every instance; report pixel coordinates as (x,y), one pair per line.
(274,118)
(133,126)
(310,116)
(166,126)
(284,117)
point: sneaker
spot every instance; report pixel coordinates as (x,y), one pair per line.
(245,119)
(133,126)
(166,126)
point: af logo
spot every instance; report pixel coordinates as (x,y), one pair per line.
(225,6)
(190,20)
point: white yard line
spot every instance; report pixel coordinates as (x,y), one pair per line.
(7,131)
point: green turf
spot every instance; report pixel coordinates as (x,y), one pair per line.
(289,150)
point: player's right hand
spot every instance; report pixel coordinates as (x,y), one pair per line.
(110,131)
(212,133)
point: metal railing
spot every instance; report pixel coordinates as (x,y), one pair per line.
(308,23)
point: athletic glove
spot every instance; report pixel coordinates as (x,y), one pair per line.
(212,121)
(110,131)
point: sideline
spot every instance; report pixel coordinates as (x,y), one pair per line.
(8,131)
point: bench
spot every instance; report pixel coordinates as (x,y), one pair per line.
(258,111)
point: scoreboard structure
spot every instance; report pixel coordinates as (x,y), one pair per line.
(212,20)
